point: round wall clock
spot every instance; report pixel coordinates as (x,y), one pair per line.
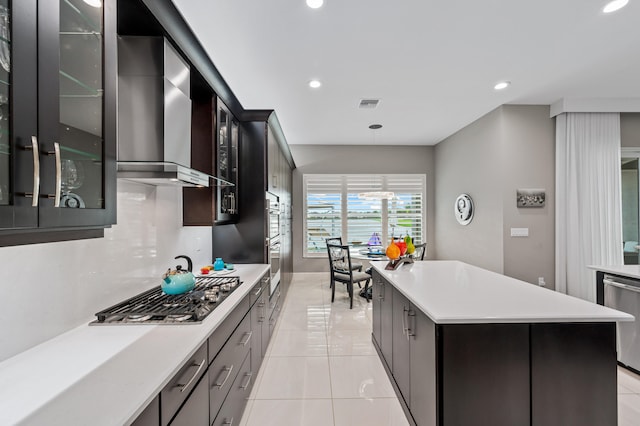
(463,209)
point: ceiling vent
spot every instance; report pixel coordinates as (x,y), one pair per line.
(368,103)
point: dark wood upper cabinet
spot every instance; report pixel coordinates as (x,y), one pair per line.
(57,115)
(227,156)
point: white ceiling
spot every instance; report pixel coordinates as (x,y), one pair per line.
(432,64)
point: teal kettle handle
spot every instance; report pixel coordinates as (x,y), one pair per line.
(189,262)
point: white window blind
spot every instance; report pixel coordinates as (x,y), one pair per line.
(323,211)
(333,208)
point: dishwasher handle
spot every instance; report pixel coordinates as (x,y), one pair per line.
(620,285)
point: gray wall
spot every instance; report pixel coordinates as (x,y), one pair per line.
(332,159)
(511,147)
(470,162)
(630,129)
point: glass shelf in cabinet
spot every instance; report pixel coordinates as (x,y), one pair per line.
(73,16)
(77,154)
(73,87)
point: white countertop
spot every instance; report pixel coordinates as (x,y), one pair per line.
(632,271)
(452,292)
(104,375)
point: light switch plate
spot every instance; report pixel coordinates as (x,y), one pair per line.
(519,232)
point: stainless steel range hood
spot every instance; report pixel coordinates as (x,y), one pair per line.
(154,114)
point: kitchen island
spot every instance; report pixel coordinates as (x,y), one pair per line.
(466,346)
(108,374)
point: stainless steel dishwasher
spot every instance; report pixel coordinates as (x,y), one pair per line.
(623,294)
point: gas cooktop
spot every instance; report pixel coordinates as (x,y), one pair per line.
(155,307)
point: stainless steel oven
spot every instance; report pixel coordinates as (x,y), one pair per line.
(273,240)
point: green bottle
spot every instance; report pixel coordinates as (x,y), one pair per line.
(410,247)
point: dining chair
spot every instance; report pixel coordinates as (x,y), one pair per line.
(357,266)
(342,271)
(420,250)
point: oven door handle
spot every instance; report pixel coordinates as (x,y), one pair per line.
(622,286)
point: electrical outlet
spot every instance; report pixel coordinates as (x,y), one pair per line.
(519,232)
(541,282)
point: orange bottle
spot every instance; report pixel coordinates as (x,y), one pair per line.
(393,251)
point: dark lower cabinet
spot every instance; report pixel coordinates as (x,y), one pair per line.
(538,374)
(401,366)
(151,415)
(224,368)
(383,317)
(485,369)
(422,358)
(195,411)
(182,384)
(214,384)
(257,320)
(233,406)
(586,356)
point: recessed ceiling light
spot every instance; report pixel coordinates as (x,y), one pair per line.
(375,126)
(314,84)
(502,85)
(315,4)
(614,5)
(94,3)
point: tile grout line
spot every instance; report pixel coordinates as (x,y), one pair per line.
(326,330)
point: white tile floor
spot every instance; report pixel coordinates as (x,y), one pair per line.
(321,368)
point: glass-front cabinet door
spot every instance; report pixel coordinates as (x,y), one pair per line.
(227,146)
(19,153)
(57,113)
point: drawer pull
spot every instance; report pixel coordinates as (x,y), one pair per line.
(257,293)
(228,370)
(184,387)
(248,378)
(247,338)
(228,422)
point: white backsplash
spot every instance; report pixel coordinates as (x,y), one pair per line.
(54,287)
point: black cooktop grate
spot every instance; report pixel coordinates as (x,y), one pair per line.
(155,307)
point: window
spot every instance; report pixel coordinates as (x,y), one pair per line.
(333,207)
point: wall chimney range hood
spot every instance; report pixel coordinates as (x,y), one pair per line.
(154,115)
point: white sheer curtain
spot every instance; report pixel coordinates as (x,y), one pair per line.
(588,200)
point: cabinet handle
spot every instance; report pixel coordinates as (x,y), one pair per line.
(228,370)
(405,329)
(381,295)
(248,338)
(184,387)
(248,377)
(410,332)
(35,194)
(257,293)
(58,190)
(228,422)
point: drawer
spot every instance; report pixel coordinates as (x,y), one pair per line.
(273,300)
(255,292)
(231,411)
(182,384)
(224,330)
(277,307)
(195,412)
(225,367)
